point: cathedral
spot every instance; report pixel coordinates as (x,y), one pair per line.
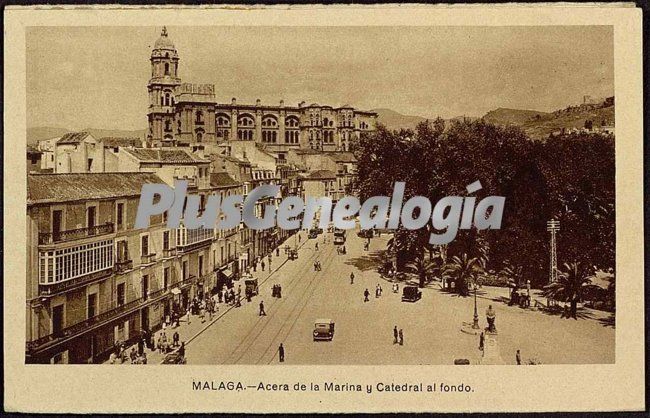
(186,114)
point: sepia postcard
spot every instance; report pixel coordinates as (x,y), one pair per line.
(346,208)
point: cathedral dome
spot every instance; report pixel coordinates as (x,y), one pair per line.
(164,42)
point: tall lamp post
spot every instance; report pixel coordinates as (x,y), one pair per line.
(552,226)
(475,323)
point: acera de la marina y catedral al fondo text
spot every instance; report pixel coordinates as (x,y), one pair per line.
(379,387)
(449,214)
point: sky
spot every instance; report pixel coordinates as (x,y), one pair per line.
(80,77)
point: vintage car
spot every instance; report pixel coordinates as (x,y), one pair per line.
(411,294)
(293,254)
(174,358)
(365,233)
(313,233)
(251,287)
(339,240)
(323,330)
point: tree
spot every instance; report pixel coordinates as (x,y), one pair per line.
(423,268)
(572,283)
(463,271)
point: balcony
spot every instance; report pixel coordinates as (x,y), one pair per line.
(148,259)
(122,266)
(190,239)
(169,253)
(72,330)
(45,238)
(64,286)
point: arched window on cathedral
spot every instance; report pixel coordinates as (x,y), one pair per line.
(166,68)
(199,117)
(168,125)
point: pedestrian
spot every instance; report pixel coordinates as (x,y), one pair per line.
(262,311)
(401,337)
(141,346)
(481,341)
(176,338)
(277,252)
(365,295)
(160,344)
(315,266)
(189,313)
(316,247)
(133,355)
(181,350)
(299,238)
(518,357)
(281,353)
(144,358)
(318,265)
(352,278)
(395,335)
(263,265)
(279,291)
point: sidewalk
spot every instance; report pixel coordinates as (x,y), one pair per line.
(189,331)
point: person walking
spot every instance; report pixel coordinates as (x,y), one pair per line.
(189,314)
(281,353)
(263,265)
(395,335)
(181,350)
(352,278)
(365,295)
(518,357)
(262,311)
(144,358)
(176,338)
(277,252)
(316,247)
(481,341)
(401,337)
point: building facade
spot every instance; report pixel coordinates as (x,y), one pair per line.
(185,114)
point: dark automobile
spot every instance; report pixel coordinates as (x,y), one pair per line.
(313,233)
(174,358)
(365,233)
(323,330)
(411,294)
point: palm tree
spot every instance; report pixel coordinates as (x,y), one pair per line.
(573,281)
(423,267)
(463,271)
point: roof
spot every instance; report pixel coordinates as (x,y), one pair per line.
(223,179)
(321,175)
(342,156)
(112,141)
(151,155)
(52,188)
(72,138)
(32,150)
(301,151)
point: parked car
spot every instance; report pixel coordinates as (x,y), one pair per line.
(411,294)
(339,240)
(323,330)
(293,254)
(313,233)
(365,233)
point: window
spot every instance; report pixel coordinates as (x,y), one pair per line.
(199,136)
(166,68)
(144,245)
(121,294)
(57,320)
(145,287)
(184,270)
(199,117)
(166,240)
(92,305)
(166,278)
(91,212)
(69,263)
(200,265)
(120,216)
(90,164)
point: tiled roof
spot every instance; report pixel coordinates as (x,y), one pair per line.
(150,155)
(223,179)
(111,141)
(342,156)
(321,175)
(51,188)
(72,138)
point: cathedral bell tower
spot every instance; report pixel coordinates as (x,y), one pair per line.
(162,89)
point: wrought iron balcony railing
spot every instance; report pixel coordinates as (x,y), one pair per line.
(75,234)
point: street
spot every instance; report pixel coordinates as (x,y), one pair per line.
(364,330)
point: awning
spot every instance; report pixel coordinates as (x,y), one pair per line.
(226,272)
(176,291)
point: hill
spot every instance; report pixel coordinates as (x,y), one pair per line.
(394,120)
(505,116)
(45,132)
(569,120)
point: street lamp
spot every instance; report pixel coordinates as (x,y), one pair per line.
(475,324)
